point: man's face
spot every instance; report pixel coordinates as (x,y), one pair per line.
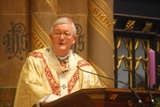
(62,38)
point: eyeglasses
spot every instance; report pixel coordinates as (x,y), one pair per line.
(66,34)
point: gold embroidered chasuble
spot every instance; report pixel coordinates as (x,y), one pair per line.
(41,72)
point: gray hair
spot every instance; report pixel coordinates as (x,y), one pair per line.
(64,20)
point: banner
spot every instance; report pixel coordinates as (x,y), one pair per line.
(43,14)
(101,43)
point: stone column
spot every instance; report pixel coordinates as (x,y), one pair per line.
(101,43)
(14,47)
(15,32)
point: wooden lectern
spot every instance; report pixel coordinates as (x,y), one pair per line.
(109,97)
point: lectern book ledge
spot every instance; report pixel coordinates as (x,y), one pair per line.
(103,97)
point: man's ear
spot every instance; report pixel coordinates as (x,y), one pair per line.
(75,37)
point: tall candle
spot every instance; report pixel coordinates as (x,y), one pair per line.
(152,72)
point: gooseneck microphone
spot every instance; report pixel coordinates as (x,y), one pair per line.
(136,95)
(149,92)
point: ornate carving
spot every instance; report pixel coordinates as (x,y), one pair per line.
(114,22)
(147,27)
(130,25)
(113,96)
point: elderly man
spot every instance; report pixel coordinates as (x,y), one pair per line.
(51,72)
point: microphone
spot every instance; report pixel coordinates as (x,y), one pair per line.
(136,95)
(149,92)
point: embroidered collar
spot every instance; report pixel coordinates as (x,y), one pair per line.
(64,58)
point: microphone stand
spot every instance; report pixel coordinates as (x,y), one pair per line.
(136,95)
(149,92)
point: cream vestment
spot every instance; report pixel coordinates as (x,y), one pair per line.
(42,75)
